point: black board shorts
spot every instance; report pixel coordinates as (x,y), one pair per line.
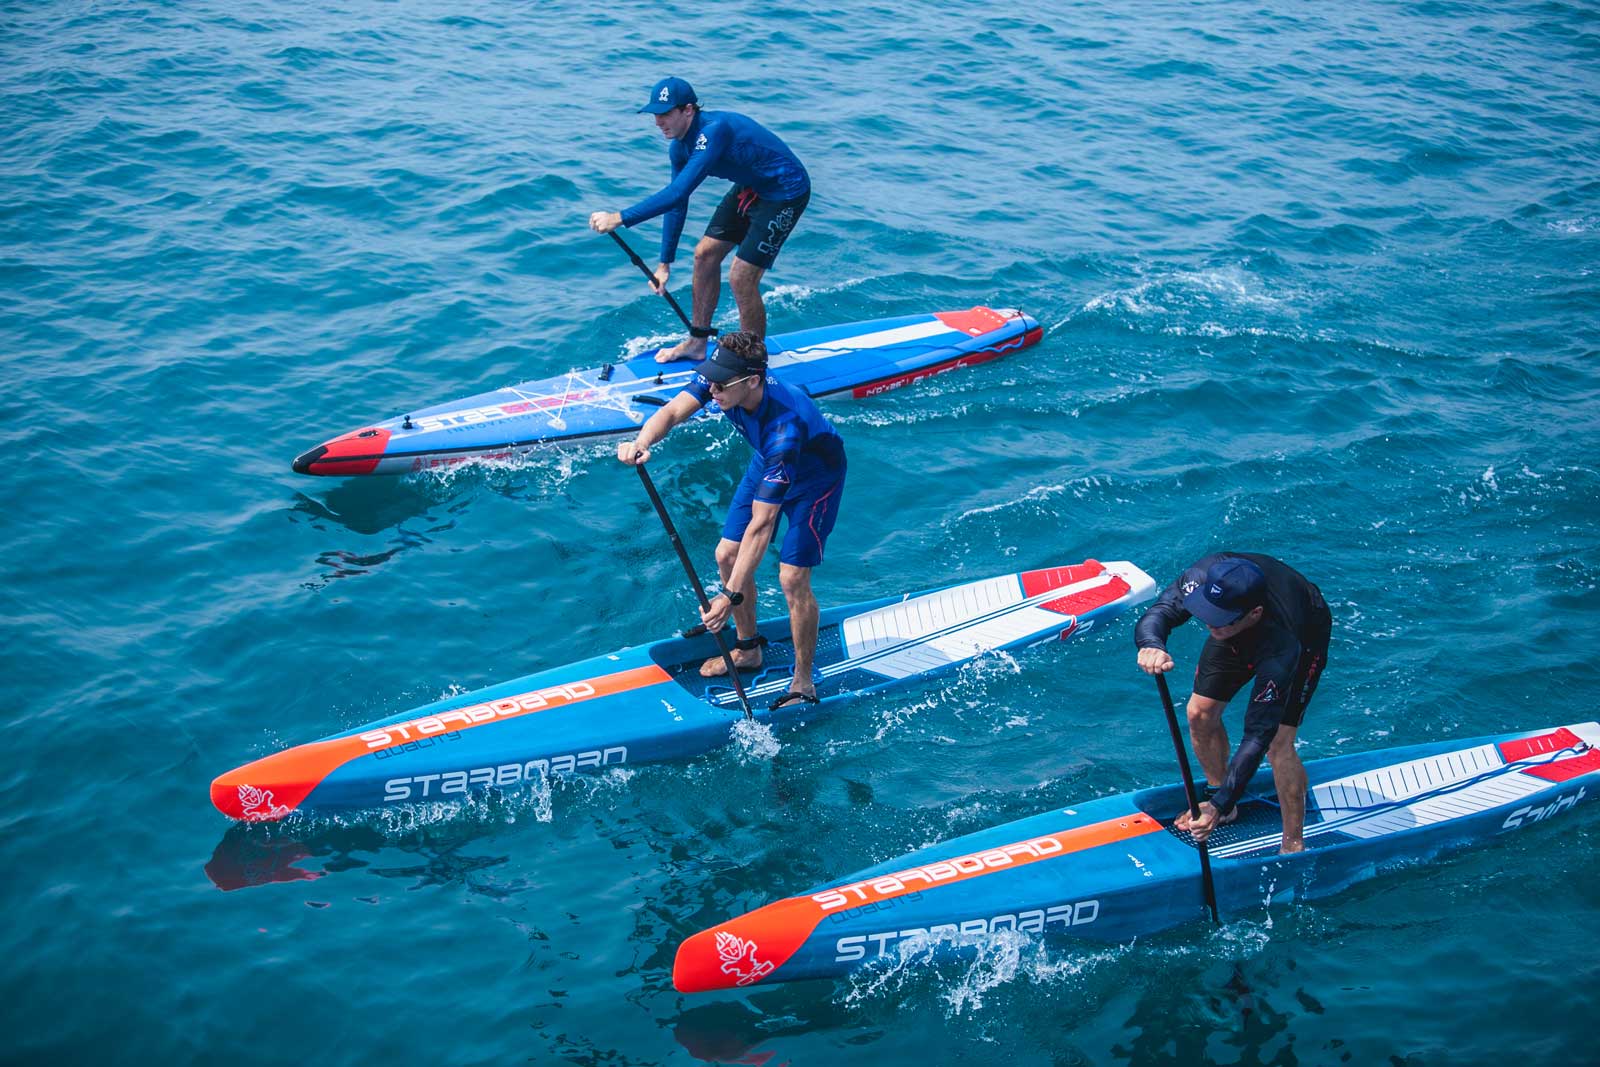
(1222,672)
(757,225)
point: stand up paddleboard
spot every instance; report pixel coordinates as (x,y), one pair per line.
(1113,869)
(865,358)
(650,703)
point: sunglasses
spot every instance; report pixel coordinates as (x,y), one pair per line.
(718,387)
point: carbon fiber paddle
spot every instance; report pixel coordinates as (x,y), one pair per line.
(694,580)
(1188,792)
(648,273)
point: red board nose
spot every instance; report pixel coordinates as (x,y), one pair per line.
(356,452)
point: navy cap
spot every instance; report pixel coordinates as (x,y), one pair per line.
(724,365)
(667,94)
(1232,588)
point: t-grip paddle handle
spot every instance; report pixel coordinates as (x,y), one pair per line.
(1207,884)
(694,580)
(648,273)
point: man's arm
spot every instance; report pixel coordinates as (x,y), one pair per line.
(752,546)
(673,200)
(680,408)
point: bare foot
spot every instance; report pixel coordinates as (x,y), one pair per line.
(743,659)
(689,348)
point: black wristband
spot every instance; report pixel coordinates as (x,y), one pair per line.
(734,596)
(702,331)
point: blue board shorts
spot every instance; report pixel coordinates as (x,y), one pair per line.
(758,226)
(808,510)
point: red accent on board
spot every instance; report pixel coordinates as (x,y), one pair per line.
(352,453)
(769,936)
(1560,771)
(1036,582)
(1524,747)
(975,322)
(1042,581)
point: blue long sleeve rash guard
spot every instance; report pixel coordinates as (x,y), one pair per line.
(720,144)
(795,444)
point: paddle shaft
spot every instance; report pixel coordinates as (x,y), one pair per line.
(1189,793)
(694,580)
(648,273)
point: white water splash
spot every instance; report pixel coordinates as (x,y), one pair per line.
(992,962)
(753,741)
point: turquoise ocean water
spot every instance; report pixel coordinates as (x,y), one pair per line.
(1317,280)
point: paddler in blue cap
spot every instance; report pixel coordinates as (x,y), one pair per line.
(797,471)
(1267,623)
(770,191)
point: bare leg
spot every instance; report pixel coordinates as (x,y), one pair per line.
(1209,736)
(1210,740)
(745,279)
(708,257)
(796,583)
(1290,775)
(744,616)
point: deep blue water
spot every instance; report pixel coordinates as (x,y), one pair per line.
(1317,282)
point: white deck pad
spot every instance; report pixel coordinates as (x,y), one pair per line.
(947,627)
(1421,792)
(878,339)
(936,630)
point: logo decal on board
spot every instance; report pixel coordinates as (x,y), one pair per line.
(739,959)
(258,805)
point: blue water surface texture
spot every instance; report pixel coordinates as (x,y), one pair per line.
(1317,280)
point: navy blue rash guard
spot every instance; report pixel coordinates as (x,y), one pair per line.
(720,144)
(795,445)
(1296,620)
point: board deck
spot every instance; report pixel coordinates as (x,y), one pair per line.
(863,358)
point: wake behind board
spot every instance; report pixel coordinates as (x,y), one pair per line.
(649,702)
(1115,869)
(863,358)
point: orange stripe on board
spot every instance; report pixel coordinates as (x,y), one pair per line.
(745,950)
(273,786)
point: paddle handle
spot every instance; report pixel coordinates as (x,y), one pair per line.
(648,273)
(694,580)
(1189,793)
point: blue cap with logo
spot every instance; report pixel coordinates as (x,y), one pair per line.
(667,94)
(1232,588)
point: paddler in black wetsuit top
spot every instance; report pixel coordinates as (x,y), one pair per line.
(1269,623)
